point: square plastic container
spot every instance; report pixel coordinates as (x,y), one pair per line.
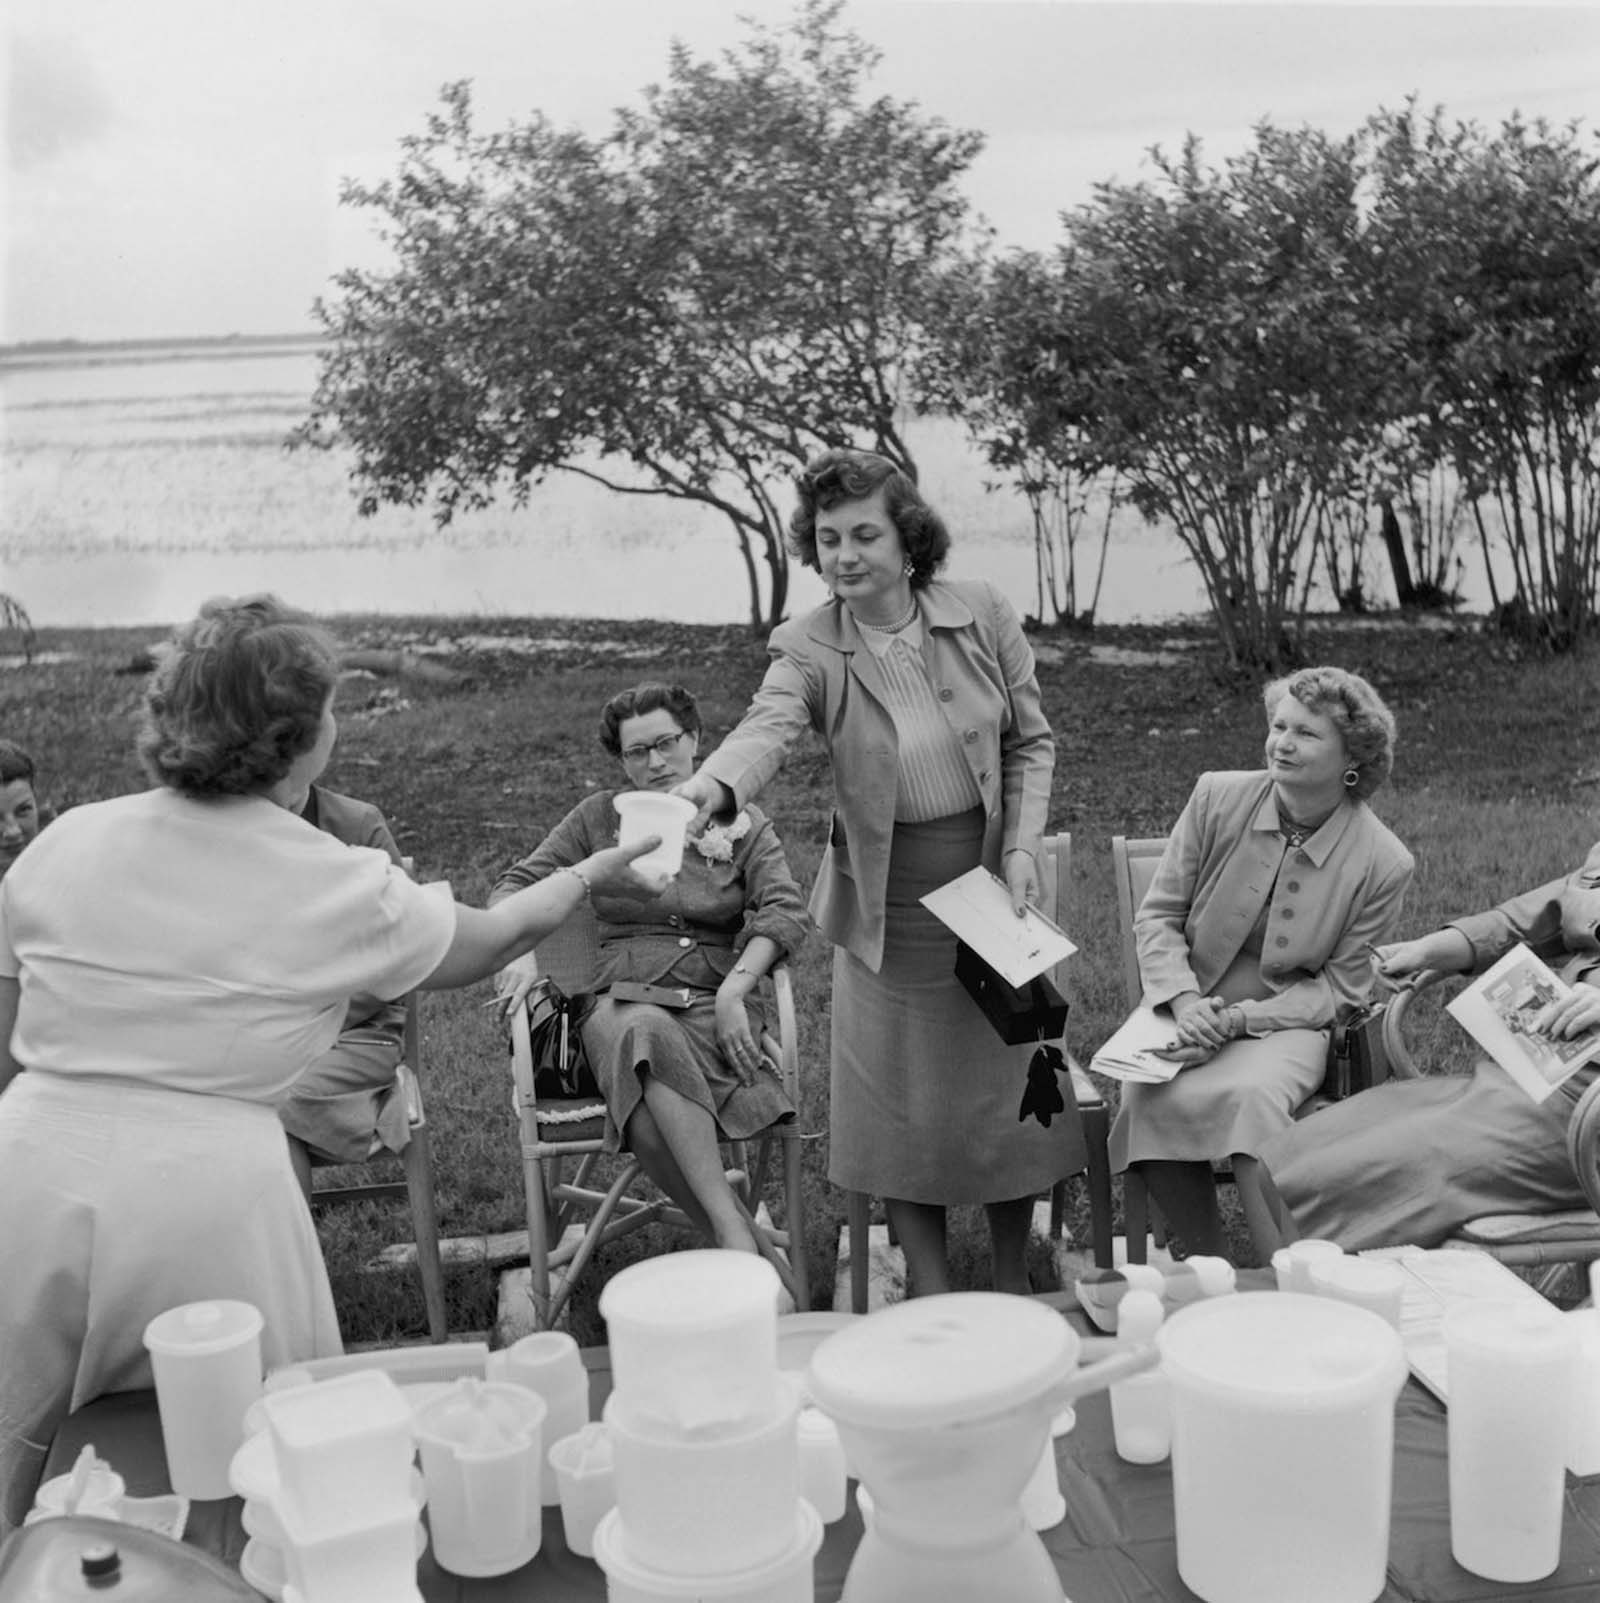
(343,1450)
(784,1578)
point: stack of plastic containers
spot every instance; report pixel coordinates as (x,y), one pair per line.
(704,1438)
(331,1501)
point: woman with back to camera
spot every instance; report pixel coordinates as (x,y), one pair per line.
(169,962)
(677,1080)
(1256,935)
(923,691)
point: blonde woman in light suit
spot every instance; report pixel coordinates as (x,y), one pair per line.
(1256,935)
(924,694)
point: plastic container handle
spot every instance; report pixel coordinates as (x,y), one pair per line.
(1122,1363)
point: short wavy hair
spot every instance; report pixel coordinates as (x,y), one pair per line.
(651,696)
(838,476)
(236,695)
(15,763)
(1356,710)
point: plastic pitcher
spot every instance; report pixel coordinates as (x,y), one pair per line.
(1282,1446)
(549,1363)
(1511,1368)
(694,1340)
(654,812)
(482,1456)
(206,1357)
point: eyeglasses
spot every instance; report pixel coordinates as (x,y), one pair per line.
(634,756)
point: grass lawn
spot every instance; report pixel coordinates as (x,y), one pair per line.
(1494,791)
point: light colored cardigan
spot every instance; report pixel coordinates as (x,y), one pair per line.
(1334,894)
(823,676)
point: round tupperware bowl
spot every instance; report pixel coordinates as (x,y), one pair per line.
(783,1578)
(1282,1446)
(693,1337)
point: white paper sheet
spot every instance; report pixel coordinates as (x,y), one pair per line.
(1130,1053)
(977,907)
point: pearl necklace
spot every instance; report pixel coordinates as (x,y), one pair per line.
(895,627)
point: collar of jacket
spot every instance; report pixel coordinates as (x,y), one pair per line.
(832,624)
(1319,846)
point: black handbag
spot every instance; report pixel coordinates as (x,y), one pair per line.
(1036,1011)
(1357,1056)
(560,1063)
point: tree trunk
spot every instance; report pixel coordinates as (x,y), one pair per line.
(1404,590)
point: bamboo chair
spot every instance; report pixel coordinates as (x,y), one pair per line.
(416,1186)
(1550,1245)
(556,1134)
(1093,1113)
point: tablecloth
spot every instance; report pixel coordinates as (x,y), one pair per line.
(1115,1545)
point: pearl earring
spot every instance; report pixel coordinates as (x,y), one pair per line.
(908,567)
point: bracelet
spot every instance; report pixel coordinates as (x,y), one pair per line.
(749,973)
(582,879)
(1236,1023)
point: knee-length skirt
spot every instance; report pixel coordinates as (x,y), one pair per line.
(923,1092)
(117,1202)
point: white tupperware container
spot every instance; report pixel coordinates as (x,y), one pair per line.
(206,1358)
(1299,1259)
(823,1472)
(370,1563)
(586,1472)
(654,812)
(784,1578)
(482,1448)
(548,1363)
(1583,1437)
(693,1338)
(1510,1368)
(1371,1283)
(100,1494)
(1282,1446)
(1141,1408)
(343,1450)
(675,1490)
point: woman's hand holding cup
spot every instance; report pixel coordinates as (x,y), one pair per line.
(612,871)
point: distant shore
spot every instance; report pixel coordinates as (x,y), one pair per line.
(93,353)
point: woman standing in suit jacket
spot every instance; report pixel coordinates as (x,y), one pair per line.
(1256,935)
(924,693)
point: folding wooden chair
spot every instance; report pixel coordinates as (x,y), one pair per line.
(1551,1245)
(555,1134)
(1092,1111)
(416,1187)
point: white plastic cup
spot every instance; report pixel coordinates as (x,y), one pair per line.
(1304,1256)
(1371,1283)
(586,1476)
(654,812)
(1511,1368)
(206,1357)
(549,1363)
(1141,1406)
(1583,1438)
(1282,1446)
(694,1340)
(823,1472)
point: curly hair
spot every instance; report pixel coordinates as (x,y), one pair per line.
(651,696)
(838,476)
(1356,711)
(236,695)
(15,763)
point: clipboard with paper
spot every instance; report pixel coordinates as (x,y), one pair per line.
(976,908)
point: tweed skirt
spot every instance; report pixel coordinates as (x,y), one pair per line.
(923,1092)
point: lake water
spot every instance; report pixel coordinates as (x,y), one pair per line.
(132,490)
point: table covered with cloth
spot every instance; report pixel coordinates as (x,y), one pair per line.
(1116,1544)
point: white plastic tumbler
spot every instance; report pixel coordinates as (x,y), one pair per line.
(1373,1283)
(1301,1257)
(206,1357)
(549,1363)
(654,812)
(1583,1437)
(587,1478)
(1510,1368)
(1282,1446)
(822,1466)
(1141,1406)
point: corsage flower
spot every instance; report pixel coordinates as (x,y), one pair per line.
(715,842)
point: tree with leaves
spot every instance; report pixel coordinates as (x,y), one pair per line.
(734,278)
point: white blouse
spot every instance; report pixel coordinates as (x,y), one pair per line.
(206,946)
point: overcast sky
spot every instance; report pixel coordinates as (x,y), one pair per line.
(174,164)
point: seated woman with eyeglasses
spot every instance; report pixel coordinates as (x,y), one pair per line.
(676,1081)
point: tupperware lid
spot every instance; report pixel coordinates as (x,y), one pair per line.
(693,1290)
(350,1407)
(1512,1331)
(202,1327)
(956,1357)
(1264,1346)
(74,1556)
(480,1416)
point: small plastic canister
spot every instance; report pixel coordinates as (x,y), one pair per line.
(1282,1446)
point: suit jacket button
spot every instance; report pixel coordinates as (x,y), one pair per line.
(946,694)
(683,940)
(1282,940)
(970,736)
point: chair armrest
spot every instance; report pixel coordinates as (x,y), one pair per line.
(1401,1063)
(1583,1142)
(1089,1094)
